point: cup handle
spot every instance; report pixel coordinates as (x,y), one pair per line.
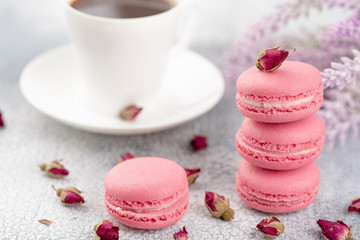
(188,32)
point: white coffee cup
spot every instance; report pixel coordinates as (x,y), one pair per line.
(123,60)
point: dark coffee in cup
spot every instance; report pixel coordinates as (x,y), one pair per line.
(122,8)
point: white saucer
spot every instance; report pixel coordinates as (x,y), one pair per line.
(192,87)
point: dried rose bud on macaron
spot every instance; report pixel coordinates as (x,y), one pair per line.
(271,59)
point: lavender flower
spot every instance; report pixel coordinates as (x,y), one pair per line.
(341,107)
(341,36)
(342,74)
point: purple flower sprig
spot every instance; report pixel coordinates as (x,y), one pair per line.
(340,112)
(345,4)
(342,36)
(342,74)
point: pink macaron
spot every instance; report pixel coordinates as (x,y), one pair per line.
(290,93)
(281,146)
(277,191)
(147,192)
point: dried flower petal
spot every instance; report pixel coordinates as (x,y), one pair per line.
(130,112)
(54,169)
(126,156)
(198,142)
(271,59)
(271,227)
(45,221)
(355,205)
(106,230)
(181,235)
(218,206)
(192,174)
(210,199)
(70,196)
(335,230)
(2,124)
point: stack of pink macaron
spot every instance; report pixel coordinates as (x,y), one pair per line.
(280,138)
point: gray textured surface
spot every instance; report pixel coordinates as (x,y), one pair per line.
(31,138)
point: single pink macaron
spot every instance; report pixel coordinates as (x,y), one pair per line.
(147,192)
(277,191)
(290,93)
(281,146)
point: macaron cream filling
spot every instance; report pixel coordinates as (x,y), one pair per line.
(276,200)
(306,151)
(277,104)
(165,204)
(301,100)
(168,210)
(298,149)
(125,204)
(293,152)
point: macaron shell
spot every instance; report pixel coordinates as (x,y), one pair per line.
(147,192)
(277,191)
(145,179)
(310,128)
(281,146)
(291,79)
(150,219)
(295,91)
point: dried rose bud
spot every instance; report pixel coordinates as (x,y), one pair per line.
(181,235)
(271,59)
(70,196)
(54,169)
(271,227)
(198,142)
(125,157)
(218,206)
(355,205)
(106,230)
(130,112)
(192,174)
(335,230)
(2,124)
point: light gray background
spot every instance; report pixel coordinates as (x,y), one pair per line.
(31,27)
